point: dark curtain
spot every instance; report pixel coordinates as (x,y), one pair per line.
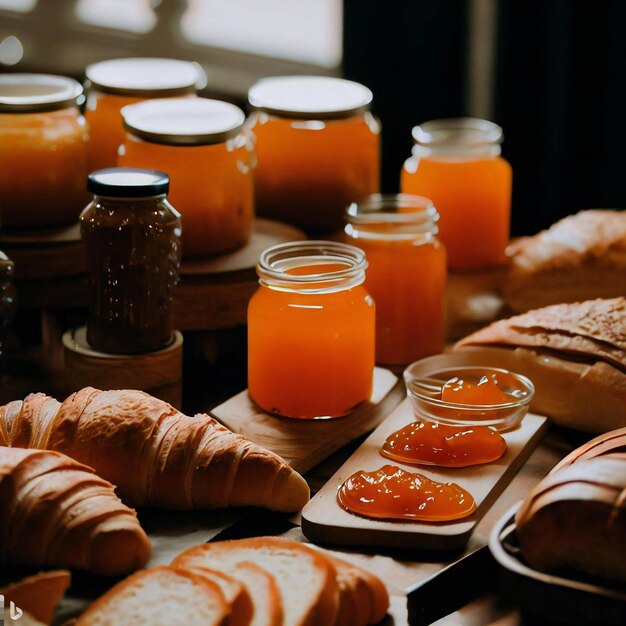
(560,91)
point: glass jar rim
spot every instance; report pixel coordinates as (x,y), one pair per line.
(34,93)
(275,262)
(463,131)
(386,209)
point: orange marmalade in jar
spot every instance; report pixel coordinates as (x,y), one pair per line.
(311,331)
(406,274)
(317,147)
(114,83)
(202,145)
(43,151)
(457,164)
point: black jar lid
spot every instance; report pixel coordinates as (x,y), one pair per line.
(128,182)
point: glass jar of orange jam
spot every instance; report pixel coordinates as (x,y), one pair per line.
(115,83)
(406,274)
(209,156)
(457,164)
(317,147)
(43,150)
(311,331)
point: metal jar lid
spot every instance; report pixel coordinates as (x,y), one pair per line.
(128,182)
(146,77)
(305,97)
(183,121)
(33,93)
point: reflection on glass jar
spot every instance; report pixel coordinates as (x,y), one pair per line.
(43,151)
(311,331)
(457,164)
(406,274)
(317,146)
(132,237)
(115,83)
(209,158)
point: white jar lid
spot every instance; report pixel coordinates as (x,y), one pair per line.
(309,96)
(183,121)
(31,93)
(146,77)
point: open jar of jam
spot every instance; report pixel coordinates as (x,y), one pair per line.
(311,331)
(209,157)
(114,83)
(406,273)
(457,164)
(43,151)
(132,237)
(317,146)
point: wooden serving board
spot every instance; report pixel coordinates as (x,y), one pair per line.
(305,443)
(325,521)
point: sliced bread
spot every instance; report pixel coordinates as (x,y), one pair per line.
(306,580)
(161,596)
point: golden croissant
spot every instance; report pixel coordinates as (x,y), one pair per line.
(155,455)
(58,513)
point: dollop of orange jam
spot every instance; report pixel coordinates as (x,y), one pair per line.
(427,443)
(393,493)
(488,390)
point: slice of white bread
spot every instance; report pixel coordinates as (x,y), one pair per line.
(363,598)
(38,595)
(306,580)
(262,587)
(161,596)
(579,258)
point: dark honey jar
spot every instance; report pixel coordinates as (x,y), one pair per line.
(132,237)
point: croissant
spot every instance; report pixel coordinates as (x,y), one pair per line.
(58,513)
(153,453)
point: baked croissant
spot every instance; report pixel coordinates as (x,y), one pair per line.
(58,513)
(153,453)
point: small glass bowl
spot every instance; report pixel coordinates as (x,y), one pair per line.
(428,406)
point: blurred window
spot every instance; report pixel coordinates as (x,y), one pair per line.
(17,6)
(308,31)
(135,16)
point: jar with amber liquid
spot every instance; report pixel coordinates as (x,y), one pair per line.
(406,274)
(209,157)
(457,164)
(43,151)
(318,149)
(115,83)
(311,328)
(132,238)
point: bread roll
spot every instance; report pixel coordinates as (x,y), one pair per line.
(575,519)
(575,354)
(579,258)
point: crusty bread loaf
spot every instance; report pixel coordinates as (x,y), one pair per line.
(38,595)
(576,519)
(609,443)
(58,513)
(575,354)
(160,596)
(306,580)
(155,455)
(581,257)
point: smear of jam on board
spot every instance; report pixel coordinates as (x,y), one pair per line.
(427,443)
(395,494)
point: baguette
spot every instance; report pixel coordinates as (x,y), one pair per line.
(153,453)
(575,519)
(160,596)
(58,513)
(38,595)
(575,354)
(581,257)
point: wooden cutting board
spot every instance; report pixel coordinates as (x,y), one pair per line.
(305,443)
(325,521)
